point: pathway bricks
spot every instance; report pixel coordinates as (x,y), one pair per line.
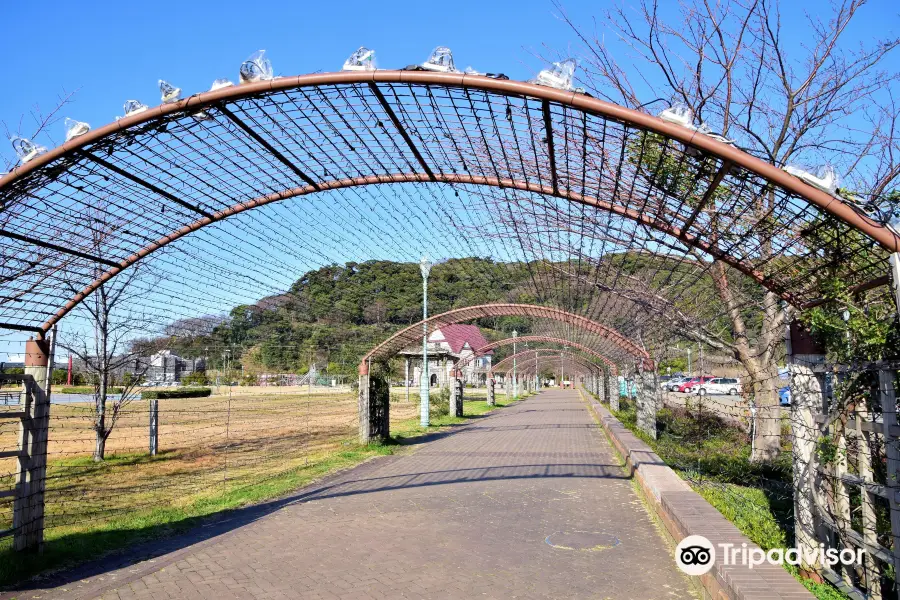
(528,502)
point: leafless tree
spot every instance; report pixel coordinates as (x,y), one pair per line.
(111,341)
(736,66)
(41,120)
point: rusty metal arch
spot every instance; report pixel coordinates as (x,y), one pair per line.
(449,178)
(529,365)
(26,180)
(541,339)
(528,356)
(414,333)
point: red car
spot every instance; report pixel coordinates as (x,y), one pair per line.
(688,386)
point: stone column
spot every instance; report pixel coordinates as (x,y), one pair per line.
(28,505)
(646,401)
(491,399)
(456,396)
(601,388)
(365,431)
(807,400)
(374,407)
(612,390)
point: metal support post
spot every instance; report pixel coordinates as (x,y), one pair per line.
(154,427)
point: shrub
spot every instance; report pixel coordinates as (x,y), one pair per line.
(88,389)
(195,378)
(439,403)
(182,393)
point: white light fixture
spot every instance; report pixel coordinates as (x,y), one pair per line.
(441,60)
(558,76)
(425,266)
(218,84)
(706,130)
(75,128)
(256,68)
(134,107)
(25,149)
(361,60)
(678,114)
(168,92)
(826,180)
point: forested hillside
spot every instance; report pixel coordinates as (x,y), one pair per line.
(333,315)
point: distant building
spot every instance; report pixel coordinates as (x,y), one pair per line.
(448,346)
(166,367)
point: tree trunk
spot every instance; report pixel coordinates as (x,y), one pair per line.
(767,426)
(100,444)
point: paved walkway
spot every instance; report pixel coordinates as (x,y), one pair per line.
(528,502)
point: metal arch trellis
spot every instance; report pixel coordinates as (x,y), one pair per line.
(363,128)
(620,345)
(540,339)
(530,356)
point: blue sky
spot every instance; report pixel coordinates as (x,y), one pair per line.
(113,51)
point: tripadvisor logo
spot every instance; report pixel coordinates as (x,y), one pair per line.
(696,555)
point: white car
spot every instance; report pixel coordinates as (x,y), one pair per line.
(721,385)
(672,384)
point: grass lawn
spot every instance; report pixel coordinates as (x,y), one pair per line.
(271,446)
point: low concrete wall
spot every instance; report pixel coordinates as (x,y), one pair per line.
(684,512)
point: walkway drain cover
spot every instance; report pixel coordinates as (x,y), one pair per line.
(583,541)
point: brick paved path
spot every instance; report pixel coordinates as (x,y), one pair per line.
(528,502)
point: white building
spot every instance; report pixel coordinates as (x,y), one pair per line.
(166,367)
(448,346)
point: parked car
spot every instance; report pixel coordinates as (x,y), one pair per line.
(784,396)
(720,385)
(688,386)
(673,384)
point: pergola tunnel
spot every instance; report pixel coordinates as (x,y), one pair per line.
(374,388)
(264,241)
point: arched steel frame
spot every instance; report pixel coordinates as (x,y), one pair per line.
(46,169)
(413,333)
(505,365)
(532,358)
(538,339)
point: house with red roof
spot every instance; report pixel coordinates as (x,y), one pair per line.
(448,346)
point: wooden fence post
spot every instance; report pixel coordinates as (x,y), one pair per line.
(864,438)
(888,397)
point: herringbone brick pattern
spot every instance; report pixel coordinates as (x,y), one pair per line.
(528,502)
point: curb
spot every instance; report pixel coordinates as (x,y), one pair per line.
(684,512)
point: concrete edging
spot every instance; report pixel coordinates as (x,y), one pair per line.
(684,512)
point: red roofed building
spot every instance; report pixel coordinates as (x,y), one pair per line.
(446,347)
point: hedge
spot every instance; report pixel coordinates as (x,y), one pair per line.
(169,394)
(87,389)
